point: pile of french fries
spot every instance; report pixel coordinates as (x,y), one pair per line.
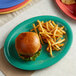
(49,32)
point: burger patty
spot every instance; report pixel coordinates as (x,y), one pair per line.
(25,56)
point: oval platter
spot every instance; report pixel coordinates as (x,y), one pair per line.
(44,60)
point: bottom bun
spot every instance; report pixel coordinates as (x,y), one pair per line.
(32,58)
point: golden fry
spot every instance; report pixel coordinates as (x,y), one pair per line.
(37,26)
(50,47)
(59,32)
(34,28)
(41,39)
(63,31)
(49,32)
(55,33)
(40,25)
(60,28)
(53,23)
(47,48)
(54,48)
(59,42)
(47,26)
(60,45)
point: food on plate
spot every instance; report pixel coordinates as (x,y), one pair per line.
(69,1)
(51,33)
(28,45)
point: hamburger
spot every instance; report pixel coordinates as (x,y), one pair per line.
(28,45)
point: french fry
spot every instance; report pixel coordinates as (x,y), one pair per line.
(41,39)
(53,23)
(47,26)
(59,37)
(60,28)
(51,51)
(59,42)
(45,34)
(54,48)
(50,33)
(34,28)
(60,45)
(37,26)
(52,41)
(59,32)
(50,47)
(40,25)
(63,31)
(47,48)
(55,32)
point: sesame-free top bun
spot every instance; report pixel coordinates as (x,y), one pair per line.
(27,43)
